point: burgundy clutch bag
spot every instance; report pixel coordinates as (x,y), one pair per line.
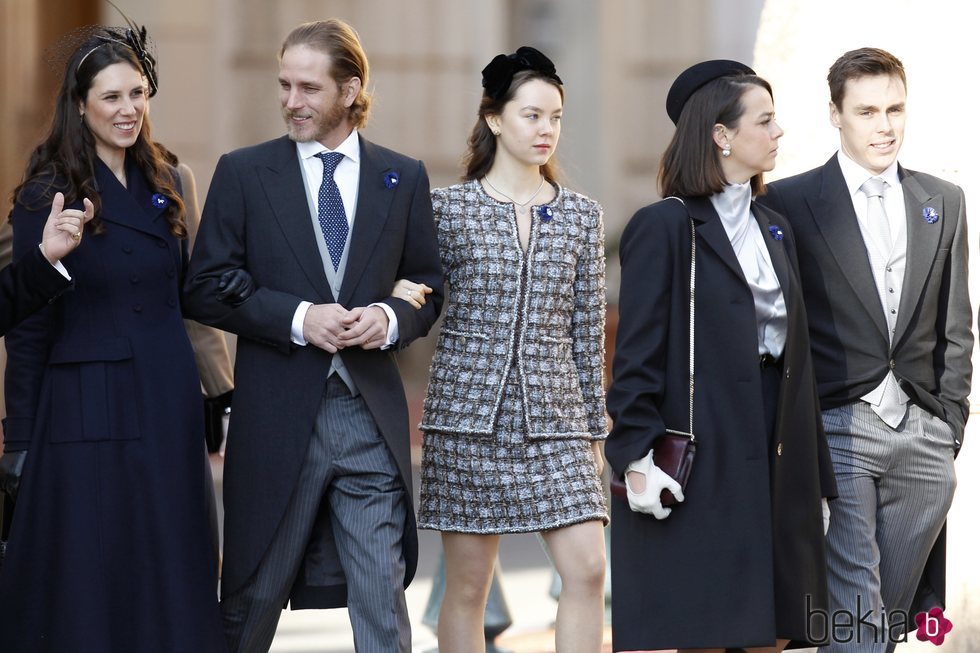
(674,454)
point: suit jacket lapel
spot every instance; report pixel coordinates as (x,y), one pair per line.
(713,233)
(834,215)
(282,181)
(922,243)
(373,201)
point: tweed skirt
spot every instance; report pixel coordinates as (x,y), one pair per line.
(504,482)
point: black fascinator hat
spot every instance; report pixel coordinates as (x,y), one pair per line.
(689,81)
(499,73)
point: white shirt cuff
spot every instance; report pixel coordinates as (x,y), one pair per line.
(392,324)
(299,317)
(57,265)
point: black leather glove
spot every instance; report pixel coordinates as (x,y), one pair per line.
(11,469)
(235,286)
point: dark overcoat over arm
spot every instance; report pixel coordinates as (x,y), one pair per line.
(257,218)
(26,286)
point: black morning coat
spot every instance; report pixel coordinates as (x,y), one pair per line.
(257,217)
(739,562)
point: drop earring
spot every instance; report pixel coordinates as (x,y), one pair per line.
(726,151)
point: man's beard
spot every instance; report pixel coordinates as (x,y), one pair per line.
(318,127)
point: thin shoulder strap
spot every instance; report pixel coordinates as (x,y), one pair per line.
(690,401)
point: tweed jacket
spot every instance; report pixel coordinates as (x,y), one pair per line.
(542,310)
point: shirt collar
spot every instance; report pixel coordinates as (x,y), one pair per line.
(855,175)
(350,148)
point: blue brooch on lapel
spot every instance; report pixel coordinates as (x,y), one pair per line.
(930,215)
(545,213)
(776,232)
(391,179)
(160,201)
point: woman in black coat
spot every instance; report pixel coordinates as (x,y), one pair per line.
(110,547)
(739,560)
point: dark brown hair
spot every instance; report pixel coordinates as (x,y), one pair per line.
(859,63)
(482,144)
(691,164)
(65,159)
(340,42)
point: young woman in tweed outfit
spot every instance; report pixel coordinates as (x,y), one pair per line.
(514,412)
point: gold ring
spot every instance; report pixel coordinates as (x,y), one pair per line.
(77,235)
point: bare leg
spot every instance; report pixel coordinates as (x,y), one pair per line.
(579,553)
(469,571)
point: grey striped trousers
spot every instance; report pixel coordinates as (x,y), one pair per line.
(348,465)
(895,487)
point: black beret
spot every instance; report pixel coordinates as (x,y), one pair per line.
(697,76)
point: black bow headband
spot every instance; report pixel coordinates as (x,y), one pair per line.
(499,73)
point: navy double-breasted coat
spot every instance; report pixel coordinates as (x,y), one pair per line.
(110,547)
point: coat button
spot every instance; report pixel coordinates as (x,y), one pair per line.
(171,302)
(891,363)
(171,273)
(161,244)
(779,449)
(787,371)
(137,308)
(134,278)
(127,249)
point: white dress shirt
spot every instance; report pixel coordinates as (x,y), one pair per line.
(347,176)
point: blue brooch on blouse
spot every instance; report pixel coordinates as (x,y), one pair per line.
(391,179)
(545,213)
(930,215)
(776,232)
(160,201)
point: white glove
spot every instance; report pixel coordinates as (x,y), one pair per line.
(657,480)
(825,505)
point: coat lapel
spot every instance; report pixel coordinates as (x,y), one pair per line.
(834,215)
(282,181)
(713,233)
(922,243)
(373,201)
(777,252)
(130,207)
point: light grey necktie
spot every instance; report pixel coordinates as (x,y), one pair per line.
(891,410)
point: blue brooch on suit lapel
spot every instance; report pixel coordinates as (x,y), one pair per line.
(391,179)
(776,232)
(930,215)
(545,213)
(160,201)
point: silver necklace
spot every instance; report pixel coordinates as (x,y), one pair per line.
(522,206)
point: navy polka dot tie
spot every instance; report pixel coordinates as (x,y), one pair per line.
(330,208)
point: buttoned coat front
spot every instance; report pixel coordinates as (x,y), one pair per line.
(737,561)
(545,317)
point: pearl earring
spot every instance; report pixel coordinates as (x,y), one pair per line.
(726,151)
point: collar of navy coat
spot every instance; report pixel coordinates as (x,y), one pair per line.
(131,205)
(282,182)
(712,233)
(834,215)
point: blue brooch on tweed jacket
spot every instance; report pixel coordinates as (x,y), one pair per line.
(930,215)
(545,213)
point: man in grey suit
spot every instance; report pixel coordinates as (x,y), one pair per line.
(317,485)
(883,260)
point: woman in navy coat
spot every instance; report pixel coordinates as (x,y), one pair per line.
(740,559)
(110,548)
